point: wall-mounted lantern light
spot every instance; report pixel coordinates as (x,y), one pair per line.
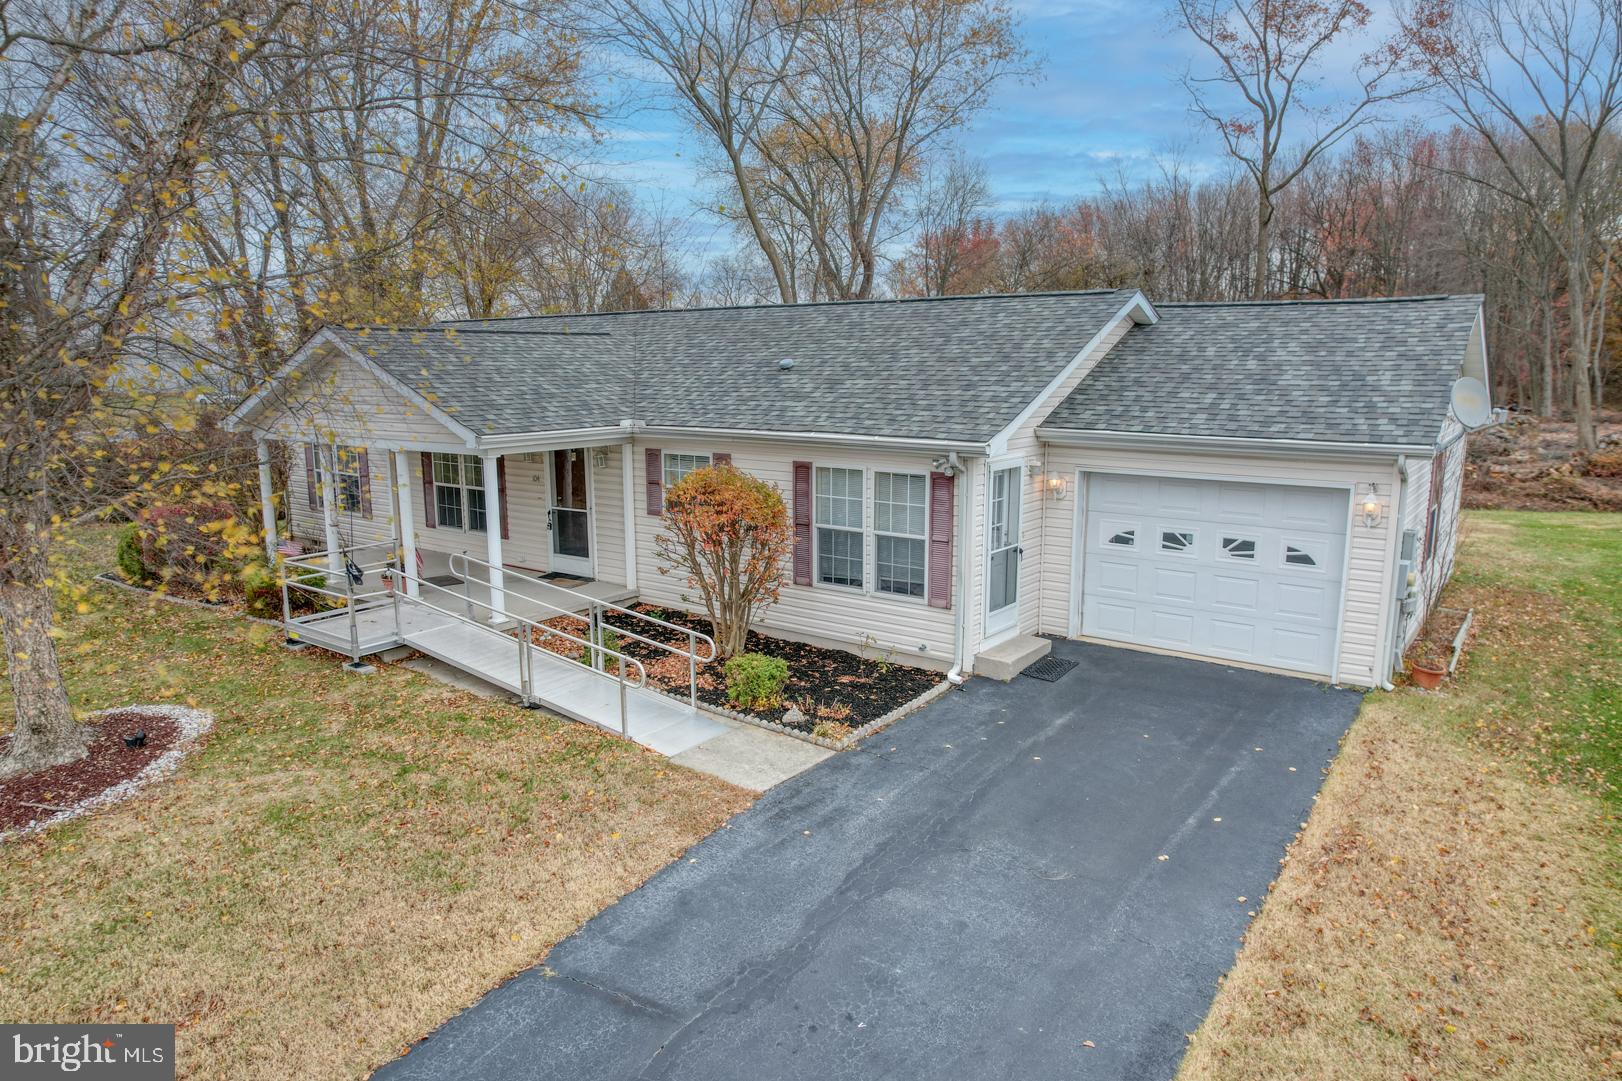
(599,458)
(1058,486)
(1372,508)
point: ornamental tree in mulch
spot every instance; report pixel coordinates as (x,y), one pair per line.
(728,534)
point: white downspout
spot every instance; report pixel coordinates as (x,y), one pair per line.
(1390,646)
(965,574)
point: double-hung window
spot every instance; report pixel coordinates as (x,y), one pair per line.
(345,480)
(839,522)
(677,466)
(899,533)
(459,491)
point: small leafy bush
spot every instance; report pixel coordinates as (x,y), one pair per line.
(261,592)
(130,563)
(755,681)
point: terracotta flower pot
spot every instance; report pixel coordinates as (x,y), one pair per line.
(1425,676)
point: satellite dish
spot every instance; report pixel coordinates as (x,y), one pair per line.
(1471,403)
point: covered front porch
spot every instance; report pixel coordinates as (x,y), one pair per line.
(544,512)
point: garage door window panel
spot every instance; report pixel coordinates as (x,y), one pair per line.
(1239,547)
(1177,541)
(1303,555)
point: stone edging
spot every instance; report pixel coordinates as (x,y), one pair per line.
(937,691)
(193,723)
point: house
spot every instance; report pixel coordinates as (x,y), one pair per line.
(1264,484)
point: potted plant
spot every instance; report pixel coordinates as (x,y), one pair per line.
(1427,665)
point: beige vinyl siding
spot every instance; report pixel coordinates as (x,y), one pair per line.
(307,526)
(906,627)
(1369,550)
(338,400)
(1024,445)
(1435,571)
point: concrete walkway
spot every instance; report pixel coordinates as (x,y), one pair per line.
(1031,880)
(747,756)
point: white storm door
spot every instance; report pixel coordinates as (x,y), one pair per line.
(1002,549)
(570,517)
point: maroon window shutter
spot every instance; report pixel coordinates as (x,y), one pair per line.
(654,462)
(429,519)
(721,457)
(310,488)
(941,489)
(364,469)
(501,495)
(802,523)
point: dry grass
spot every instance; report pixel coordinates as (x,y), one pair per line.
(345,863)
(1451,909)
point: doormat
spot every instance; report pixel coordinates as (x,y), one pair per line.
(1049,669)
(558,578)
(443,580)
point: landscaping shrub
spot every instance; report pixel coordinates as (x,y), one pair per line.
(728,533)
(191,547)
(261,591)
(130,564)
(755,681)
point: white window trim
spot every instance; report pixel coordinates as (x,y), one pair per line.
(338,475)
(875,533)
(869,586)
(664,465)
(464,487)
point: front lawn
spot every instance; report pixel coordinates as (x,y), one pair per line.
(343,864)
(1452,908)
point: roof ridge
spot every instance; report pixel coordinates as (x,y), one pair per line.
(412,328)
(1304,301)
(797,304)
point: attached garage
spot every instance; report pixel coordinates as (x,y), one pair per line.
(1245,572)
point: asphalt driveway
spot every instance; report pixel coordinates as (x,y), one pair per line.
(980,891)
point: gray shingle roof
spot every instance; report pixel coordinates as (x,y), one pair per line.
(959,368)
(508,381)
(1376,371)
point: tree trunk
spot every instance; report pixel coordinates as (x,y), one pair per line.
(46,733)
(1577,305)
(1264,241)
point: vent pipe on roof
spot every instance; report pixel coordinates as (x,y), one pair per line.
(785,364)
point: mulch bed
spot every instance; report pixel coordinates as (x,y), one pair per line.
(834,688)
(109,763)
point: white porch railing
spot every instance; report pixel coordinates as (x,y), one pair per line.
(597,621)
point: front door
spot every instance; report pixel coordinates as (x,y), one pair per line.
(1003,551)
(570,517)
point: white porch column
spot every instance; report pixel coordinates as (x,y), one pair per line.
(267,500)
(329,507)
(492,535)
(627,476)
(400,466)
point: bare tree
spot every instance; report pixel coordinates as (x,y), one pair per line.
(1544,76)
(949,198)
(821,115)
(1271,57)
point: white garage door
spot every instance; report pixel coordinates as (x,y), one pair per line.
(1249,572)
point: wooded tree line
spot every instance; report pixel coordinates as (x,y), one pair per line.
(1401,213)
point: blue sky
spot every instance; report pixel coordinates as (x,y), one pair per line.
(1107,100)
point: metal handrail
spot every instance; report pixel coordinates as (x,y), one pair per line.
(295,570)
(526,643)
(596,621)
